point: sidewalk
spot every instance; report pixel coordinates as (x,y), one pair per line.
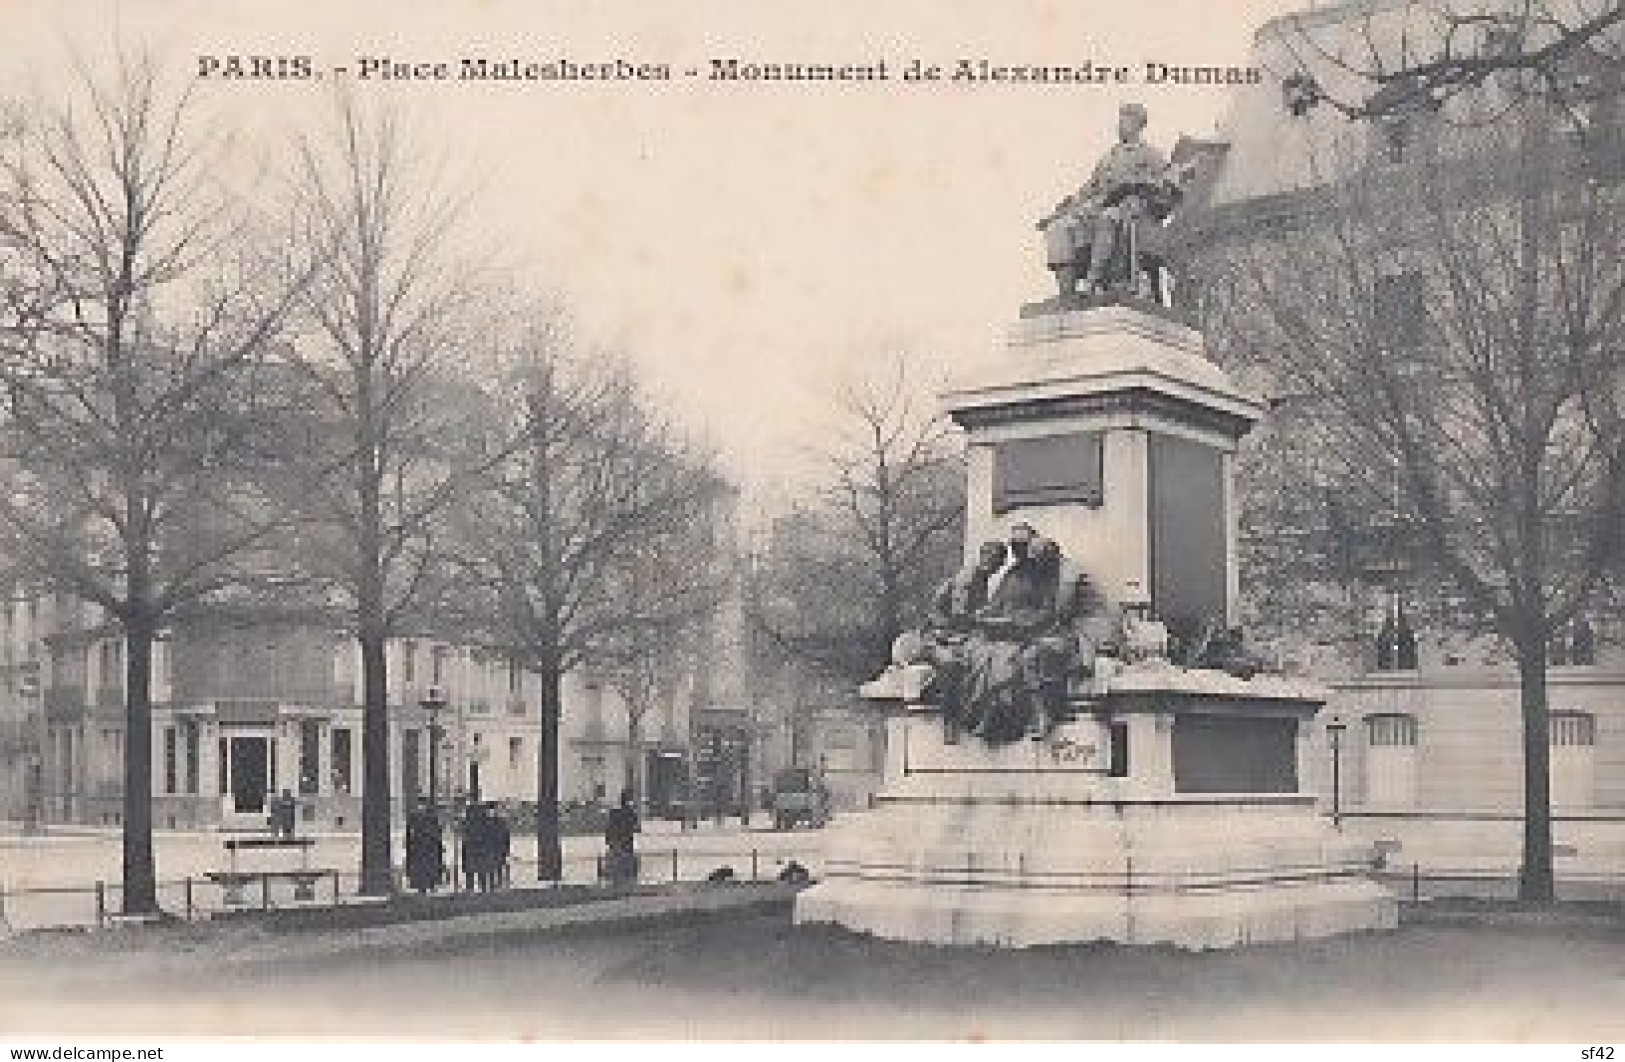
(251,940)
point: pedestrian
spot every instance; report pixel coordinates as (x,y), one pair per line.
(501,846)
(425,850)
(620,831)
(476,839)
(284,811)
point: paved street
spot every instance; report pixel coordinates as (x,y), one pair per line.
(757,976)
(78,859)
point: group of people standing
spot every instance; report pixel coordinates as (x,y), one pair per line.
(486,843)
(1005,635)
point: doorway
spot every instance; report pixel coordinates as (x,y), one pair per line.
(250,774)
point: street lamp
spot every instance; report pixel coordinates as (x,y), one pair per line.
(1334,730)
(34,787)
(434,701)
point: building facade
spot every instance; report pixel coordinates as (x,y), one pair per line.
(249,703)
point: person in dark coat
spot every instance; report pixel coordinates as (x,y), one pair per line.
(501,848)
(284,813)
(476,848)
(425,851)
(620,831)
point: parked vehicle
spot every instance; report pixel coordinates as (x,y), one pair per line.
(799,799)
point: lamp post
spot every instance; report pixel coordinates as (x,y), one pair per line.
(434,701)
(34,780)
(1334,730)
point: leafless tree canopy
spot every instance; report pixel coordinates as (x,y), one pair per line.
(1451,327)
(848,573)
(599,543)
(393,439)
(135,324)
(1392,58)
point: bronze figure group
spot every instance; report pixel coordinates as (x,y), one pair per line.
(1006,635)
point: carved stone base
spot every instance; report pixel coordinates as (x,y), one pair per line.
(1036,843)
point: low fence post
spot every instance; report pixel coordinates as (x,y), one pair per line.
(101,905)
(674,864)
(753,874)
(265,892)
(188,897)
(1416,881)
(335,888)
(2,906)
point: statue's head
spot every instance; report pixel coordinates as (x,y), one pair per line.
(1047,553)
(990,556)
(1131,120)
(1021,540)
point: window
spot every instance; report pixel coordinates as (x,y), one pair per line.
(109,665)
(1573,735)
(409,662)
(516,753)
(340,754)
(171,761)
(411,764)
(1573,730)
(1390,760)
(516,678)
(437,664)
(1396,642)
(1391,731)
(192,739)
(310,744)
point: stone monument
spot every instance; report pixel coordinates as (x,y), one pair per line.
(1125,796)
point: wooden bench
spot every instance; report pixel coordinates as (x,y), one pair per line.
(234,881)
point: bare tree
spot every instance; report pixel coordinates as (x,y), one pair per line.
(674,583)
(1376,61)
(134,321)
(559,550)
(399,434)
(1457,321)
(845,575)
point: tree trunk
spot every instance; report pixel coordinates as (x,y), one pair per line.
(377,861)
(1535,883)
(549,851)
(140,895)
(632,773)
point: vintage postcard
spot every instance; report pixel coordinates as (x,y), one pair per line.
(811,521)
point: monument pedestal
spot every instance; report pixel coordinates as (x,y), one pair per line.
(1128,824)
(1168,809)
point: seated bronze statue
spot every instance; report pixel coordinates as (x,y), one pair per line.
(1109,234)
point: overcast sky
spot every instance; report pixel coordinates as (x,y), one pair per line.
(749,244)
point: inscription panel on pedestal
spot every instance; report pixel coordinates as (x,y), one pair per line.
(1049,470)
(1235,754)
